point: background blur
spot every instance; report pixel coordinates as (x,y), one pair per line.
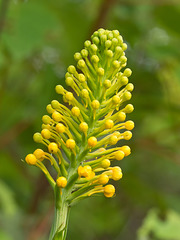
(38,40)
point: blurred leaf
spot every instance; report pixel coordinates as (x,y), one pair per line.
(161,229)
(30,23)
(169,17)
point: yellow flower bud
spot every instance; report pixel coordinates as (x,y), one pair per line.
(85,171)
(92,141)
(84,53)
(107,83)
(77,56)
(116,64)
(127,72)
(129,125)
(109,53)
(46,133)
(130,87)
(39,154)
(60,128)
(95,104)
(105,163)
(31,159)
(69,81)
(124,80)
(103,179)
(46,126)
(126,150)
(116,100)
(55,104)
(81,78)
(124,46)
(81,64)
(113,140)
(95,59)
(59,89)
(116,173)
(129,108)
(56,116)
(127,96)
(53,147)
(71,69)
(83,127)
(109,124)
(61,182)
(75,111)
(90,175)
(69,96)
(85,93)
(119,155)
(127,135)
(80,168)
(109,190)
(49,109)
(46,119)
(70,143)
(37,137)
(121,116)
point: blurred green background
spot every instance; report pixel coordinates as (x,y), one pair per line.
(38,40)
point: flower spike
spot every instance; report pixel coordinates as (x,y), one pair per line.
(80,137)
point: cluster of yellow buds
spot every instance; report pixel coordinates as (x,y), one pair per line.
(79,135)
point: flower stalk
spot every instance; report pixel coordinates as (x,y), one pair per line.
(80,140)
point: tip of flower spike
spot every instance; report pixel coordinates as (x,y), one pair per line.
(31,159)
(61,182)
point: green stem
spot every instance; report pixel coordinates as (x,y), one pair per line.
(59,227)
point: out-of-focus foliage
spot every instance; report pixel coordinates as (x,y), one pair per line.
(161,228)
(38,40)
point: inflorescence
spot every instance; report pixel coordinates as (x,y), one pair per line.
(80,134)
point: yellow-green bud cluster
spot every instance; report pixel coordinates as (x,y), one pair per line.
(79,135)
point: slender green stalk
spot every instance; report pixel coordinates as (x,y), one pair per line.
(60,222)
